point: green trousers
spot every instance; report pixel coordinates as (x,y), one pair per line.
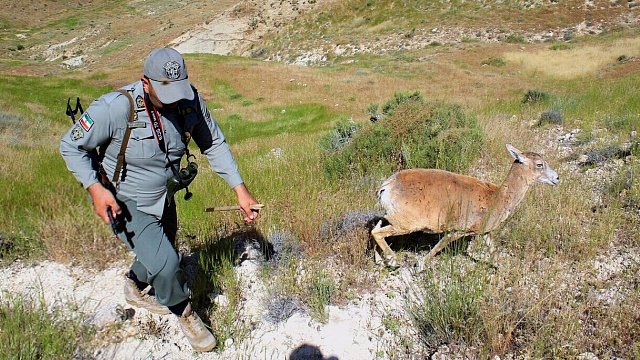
(152,240)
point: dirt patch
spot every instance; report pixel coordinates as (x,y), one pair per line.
(236,30)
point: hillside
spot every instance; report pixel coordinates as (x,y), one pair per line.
(556,280)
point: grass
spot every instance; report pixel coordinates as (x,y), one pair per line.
(450,306)
(578,61)
(321,290)
(215,275)
(30,331)
(584,103)
(50,99)
(542,301)
(292,119)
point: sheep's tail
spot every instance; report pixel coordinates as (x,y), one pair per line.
(384,193)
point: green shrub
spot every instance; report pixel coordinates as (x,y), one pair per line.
(322,289)
(372,109)
(449,310)
(626,122)
(415,133)
(516,39)
(398,99)
(559,46)
(494,61)
(551,117)
(625,186)
(534,96)
(340,135)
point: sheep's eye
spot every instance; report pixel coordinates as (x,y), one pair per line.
(539,165)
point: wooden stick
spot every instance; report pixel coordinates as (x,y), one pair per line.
(233,207)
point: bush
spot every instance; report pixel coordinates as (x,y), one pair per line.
(339,136)
(534,96)
(516,39)
(450,308)
(559,46)
(322,289)
(494,61)
(623,122)
(415,133)
(551,117)
(400,98)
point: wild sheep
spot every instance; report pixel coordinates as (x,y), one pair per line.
(437,201)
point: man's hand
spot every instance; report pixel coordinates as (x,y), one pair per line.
(103,199)
(245,200)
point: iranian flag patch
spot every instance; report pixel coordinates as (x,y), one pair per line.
(86,122)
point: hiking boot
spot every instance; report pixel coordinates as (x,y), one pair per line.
(141,298)
(193,328)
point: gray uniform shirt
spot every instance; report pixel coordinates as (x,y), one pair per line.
(146,167)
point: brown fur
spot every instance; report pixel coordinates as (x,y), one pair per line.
(438,201)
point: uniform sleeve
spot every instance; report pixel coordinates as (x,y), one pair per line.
(209,138)
(94,128)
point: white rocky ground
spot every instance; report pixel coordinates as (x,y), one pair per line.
(354,331)
(351,332)
(233,31)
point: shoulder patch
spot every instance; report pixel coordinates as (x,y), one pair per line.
(86,122)
(77,133)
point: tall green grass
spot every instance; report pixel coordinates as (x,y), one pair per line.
(585,104)
(30,331)
(45,96)
(289,119)
(449,310)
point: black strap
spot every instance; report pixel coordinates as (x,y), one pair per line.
(156,123)
(125,139)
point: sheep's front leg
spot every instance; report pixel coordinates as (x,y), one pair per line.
(444,241)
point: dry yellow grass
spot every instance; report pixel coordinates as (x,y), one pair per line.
(575,62)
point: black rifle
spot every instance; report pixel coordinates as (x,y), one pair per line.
(113,221)
(73,112)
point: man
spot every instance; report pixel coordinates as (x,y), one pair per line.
(167,112)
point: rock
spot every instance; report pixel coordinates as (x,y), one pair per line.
(220,300)
(587,356)
(74,62)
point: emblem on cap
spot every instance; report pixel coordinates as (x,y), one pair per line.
(172,69)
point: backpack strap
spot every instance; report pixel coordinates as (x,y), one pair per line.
(125,139)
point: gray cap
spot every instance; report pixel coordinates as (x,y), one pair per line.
(167,72)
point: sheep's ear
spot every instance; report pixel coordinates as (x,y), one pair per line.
(516,154)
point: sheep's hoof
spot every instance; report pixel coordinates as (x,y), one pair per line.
(391,262)
(388,260)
